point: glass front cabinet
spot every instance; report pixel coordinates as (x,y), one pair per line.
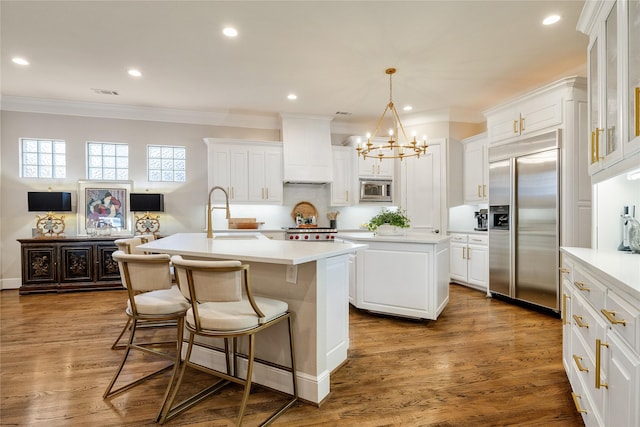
(614,80)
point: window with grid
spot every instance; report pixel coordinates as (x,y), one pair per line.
(166,163)
(43,158)
(108,161)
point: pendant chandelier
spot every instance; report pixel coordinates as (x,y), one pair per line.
(392,149)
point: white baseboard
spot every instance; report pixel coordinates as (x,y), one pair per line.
(10,283)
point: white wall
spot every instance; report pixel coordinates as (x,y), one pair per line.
(612,195)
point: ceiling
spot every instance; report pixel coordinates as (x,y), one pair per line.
(456,58)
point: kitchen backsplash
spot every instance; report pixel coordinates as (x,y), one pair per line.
(462,218)
(279,216)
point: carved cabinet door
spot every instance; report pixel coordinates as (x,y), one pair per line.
(76,263)
(106,266)
(39,264)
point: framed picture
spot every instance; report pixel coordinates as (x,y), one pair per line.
(103,207)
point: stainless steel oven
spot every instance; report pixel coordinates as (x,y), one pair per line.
(376,190)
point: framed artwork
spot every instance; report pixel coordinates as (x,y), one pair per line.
(103,207)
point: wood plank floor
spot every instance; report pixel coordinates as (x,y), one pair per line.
(484,362)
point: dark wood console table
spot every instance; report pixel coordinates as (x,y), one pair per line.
(61,264)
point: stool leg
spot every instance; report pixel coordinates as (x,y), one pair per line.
(167,406)
(107,392)
(247,384)
(176,365)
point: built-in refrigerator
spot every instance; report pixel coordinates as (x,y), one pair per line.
(524,220)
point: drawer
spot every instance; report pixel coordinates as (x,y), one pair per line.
(478,239)
(583,367)
(460,238)
(587,323)
(589,287)
(584,405)
(623,319)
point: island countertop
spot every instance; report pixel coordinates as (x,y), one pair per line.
(248,247)
(408,237)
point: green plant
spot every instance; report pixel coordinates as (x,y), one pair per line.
(386,216)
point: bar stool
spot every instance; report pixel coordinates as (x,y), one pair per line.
(223,306)
(152,298)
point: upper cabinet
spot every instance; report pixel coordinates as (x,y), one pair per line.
(307,148)
(372,167)
(476,169)
(250,172)
(613,28)
(342,187)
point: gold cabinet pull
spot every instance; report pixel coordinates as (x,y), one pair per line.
(598,158)
(579,321)
(611,317)
(479,194)
(347,195)
(576,401)
(564,270)
(637,102)
(565,297)
(578,360)
(521,124)
(581,286)
(468,254)
(484,190)
(593,147)
(463,256)
(599,345)
(515,126)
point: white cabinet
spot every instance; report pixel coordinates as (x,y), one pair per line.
(514,120)
(342,187)
(423,193)
(601,344)
(470,260)
(251,172)
(476,169)
(613,28)
(372,167)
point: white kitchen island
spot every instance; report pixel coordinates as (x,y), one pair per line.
(311,277)
(404,275)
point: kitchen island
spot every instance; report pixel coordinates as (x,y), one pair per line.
(311,277)
(405,275)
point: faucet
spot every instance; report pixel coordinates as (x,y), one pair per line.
(210,208)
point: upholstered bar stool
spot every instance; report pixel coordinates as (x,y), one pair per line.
(223,306)
(152,298)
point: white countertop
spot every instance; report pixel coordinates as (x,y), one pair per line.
(248,247)
(622,268)
(408,237)
(453,231)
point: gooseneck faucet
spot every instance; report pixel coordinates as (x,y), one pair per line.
(210,208)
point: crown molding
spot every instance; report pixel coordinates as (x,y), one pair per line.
(113,111)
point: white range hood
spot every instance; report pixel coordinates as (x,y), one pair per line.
(306,142)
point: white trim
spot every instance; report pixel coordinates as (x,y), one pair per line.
(10,283)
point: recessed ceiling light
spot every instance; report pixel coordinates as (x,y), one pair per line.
(20,61)
(407,108)
(135,73)
(551,19)
(230,32)
(292,96)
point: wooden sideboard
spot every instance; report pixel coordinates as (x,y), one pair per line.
(62,264)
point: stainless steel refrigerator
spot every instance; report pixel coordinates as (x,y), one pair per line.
(524,220)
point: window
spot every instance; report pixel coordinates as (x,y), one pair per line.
(166,163)
(108,161)
(43,158)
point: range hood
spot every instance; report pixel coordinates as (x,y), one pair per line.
(306,142)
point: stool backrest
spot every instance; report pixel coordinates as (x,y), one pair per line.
(129,245)
(213,281)
(142,273)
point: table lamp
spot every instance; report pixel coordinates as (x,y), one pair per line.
(49,201)
(146,202)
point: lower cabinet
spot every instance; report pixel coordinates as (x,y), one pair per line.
(68,264)
(470,260)
(601,347)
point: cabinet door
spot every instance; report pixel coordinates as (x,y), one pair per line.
(633,79)
(107,267)
(503,125)
(478,265)
(342,185)
(423,187)
(475,188)
(623,381)
(540,113)
(219,173)
(257,172)
(612,130)
(39,265)
(458,265)
(594,107)
(273,176)
(76,263)
(238,175)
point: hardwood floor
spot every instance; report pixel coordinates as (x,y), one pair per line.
(484,362)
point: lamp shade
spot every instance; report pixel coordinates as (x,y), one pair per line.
(49,201)
(146,202)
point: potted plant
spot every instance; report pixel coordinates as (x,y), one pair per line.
(389,222)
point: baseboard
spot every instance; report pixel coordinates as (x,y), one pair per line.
(10,283)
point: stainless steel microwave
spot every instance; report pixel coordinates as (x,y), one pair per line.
(376,190)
